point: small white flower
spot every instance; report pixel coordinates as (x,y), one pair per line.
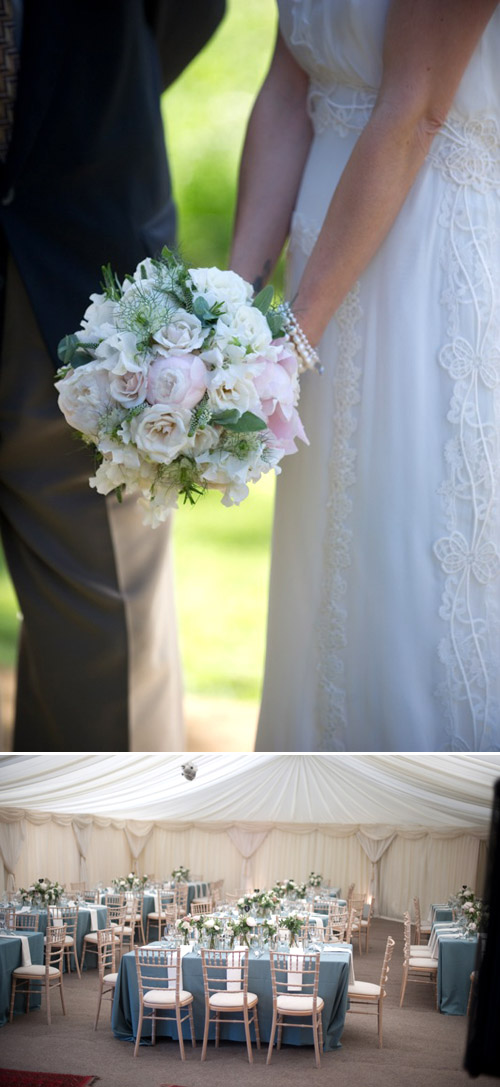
(217,285)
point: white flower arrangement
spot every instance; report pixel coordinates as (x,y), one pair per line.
(129,883)
(180,874)
(182,381)
(185,926)
(44,891)
(314,880)
(472,916)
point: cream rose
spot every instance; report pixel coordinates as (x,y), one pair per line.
(84,398)
(184,334)
(161,433)
(217,285)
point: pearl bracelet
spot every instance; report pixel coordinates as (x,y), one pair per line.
(308,356)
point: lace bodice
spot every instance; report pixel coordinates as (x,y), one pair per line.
(339,43)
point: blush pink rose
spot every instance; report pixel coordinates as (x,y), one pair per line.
(286,429)
(179,381)
(273,386)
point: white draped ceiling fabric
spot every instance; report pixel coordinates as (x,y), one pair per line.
(396,825)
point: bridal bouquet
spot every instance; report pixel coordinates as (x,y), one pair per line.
(182,381)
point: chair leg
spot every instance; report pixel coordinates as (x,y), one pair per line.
(403,987)
(75,956)
(315,1036)
(217,1029)
(380,1007)
(271,1038)
(191,1024)
(98,1008)
(179,1031)
(139,1031)
(47,998)
(247,1035)
(280,1032)
(205,1034)
(61,988)
(256,1025)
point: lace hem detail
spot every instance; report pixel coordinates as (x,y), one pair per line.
(468,555)
(332,619)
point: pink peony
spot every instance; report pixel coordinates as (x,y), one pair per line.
(286,429)
(178,381)
(273,387)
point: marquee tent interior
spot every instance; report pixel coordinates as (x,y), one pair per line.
(396,825)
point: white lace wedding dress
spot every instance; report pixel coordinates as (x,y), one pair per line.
(384,624)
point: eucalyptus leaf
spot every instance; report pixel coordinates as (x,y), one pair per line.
(246,423)
(72,352)
(276,324)
(225,418)
(263,299)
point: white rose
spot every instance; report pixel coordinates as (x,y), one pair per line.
(84,398)
(210,923)
(129,388)
(185,333)
(161,434)
(217,285)
(249,328)
(241,902)
(251,922)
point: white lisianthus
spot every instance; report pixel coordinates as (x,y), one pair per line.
(232,387)
(99,318)
(217,285)
(161,433)
(184,333)
(248,330)
(84,398)
(118,353)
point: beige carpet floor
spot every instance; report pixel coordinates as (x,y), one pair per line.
(422,1048)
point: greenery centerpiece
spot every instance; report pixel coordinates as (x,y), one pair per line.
(314,879)
(293,922)
(180,874)
(129,883)
(184,926)
(472,916)
(211,927)
(42,891)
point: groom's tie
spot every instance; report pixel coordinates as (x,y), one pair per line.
(9,63)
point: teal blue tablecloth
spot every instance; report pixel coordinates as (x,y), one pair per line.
(10,958)
(333,985)
(456,960)
(83,927)
(195,890)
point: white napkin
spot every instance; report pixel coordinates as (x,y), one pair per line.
(94,922)
(233,973)
(345,951)
(25,947)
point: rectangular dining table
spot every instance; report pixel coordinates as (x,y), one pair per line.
(456,956)
(10,959)
(336,971)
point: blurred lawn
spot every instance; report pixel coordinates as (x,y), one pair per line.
(222,555)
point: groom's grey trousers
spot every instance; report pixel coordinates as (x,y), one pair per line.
(98,664)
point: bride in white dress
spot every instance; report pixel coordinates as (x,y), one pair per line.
(377,135)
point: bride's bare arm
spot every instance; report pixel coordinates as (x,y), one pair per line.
(276,145)
(428,44)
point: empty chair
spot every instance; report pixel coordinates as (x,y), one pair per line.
(27,921)
(42,978)
(135,904)
(165,911)
(181,894)
(68,916)
(365,922)
(416,968)
(201,906)
(215,890)
(295,980)
(422,932)
(225,983)
(92,897)
(367,998)
(7,917)
(161,996)
(106,964)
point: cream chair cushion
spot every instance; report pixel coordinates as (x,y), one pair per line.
(297,1003)
(164,998)
(363,988)
(226,999)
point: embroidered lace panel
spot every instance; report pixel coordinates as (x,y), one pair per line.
(332,618)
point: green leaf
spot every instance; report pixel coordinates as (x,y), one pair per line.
(264,298)
(225,418)
(72,352)
(110,283)
(246,423)
(276,324)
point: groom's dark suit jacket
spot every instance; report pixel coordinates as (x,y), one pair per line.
(86,179)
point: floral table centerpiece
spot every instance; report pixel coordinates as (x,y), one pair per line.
(289,888)
(185,925)
(182,381)
(472,915)
(266,902)
(211,928)
(293,922)
(129,883)
(314,880)
(244,928)
(247,901)
(180,874)
(43,892)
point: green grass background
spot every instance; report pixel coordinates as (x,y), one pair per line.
(222,555)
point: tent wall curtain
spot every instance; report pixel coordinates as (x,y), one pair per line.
(12,836)
(82,829)
(430,864)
